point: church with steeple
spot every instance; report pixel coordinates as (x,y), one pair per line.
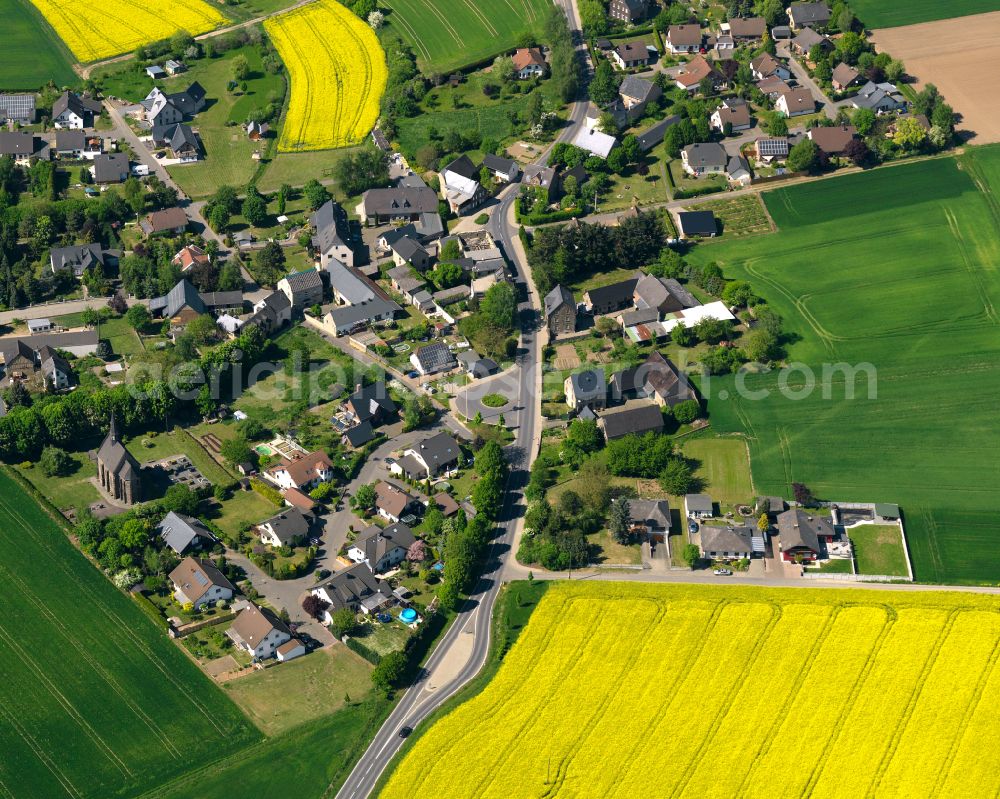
(117,469)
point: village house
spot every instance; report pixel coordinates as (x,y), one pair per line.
(802,535)
(269,314)
(795,102)
(303,473)
(169,220)
(844,76)
(636,94)
(637,419)
(586,389)
(528,63)
(768,149)
(833,140)
(111,168)
(594,141)
(560,311)
(734,112)
(811,14)
(460,185)
(436,455)
(433,358)
(57,375)
(628,11)
(408,251)
(73,111)
(78,258)
(184,303)
(303,289)
(198,582)
(179,139)
(477,367)
(181,533)
(704,158)
(807,39)
(749,30)
(400,204)
(767,66)
(649,520)
(392,503)
(694,72)
(881,98)
(629,55)
(683,39)
(697,224)
(613,297)
(698,506)
(24,147)
(17,108)
(657,379)
(726,543)
(355,588)
(189,257)
(331,231)
(258,632)
(382,549)
(286,529)
(505,170)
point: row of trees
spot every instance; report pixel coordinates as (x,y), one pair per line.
(63,420)
(567,254)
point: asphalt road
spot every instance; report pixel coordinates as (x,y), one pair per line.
(421,699)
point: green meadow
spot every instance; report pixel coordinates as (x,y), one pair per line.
(896,268)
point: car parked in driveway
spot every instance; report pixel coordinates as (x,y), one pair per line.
(722,573)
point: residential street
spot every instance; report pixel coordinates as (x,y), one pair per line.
(332,527)
(829,107)
(58,309)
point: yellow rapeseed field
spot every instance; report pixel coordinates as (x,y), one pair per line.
(338,74)
(684,692)
(97,29)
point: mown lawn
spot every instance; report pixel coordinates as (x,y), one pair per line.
(878,549)
(894,271)
(72,490)
(178,442)
(96,701)
(723,466)
(304,689)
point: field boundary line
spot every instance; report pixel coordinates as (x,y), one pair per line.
(991,312)
(725,708)
(767,739)
(967,715)
(682,673)
(61,699)
(92,662)
(904,720)
(563,766)
(819,768)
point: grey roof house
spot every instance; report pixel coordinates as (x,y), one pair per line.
(180,533)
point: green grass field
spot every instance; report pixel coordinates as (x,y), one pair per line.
(893,13)
(724,466)
(878,549)
(95,700)
(450,34)
(32,54)
(285,696)
(896,268)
